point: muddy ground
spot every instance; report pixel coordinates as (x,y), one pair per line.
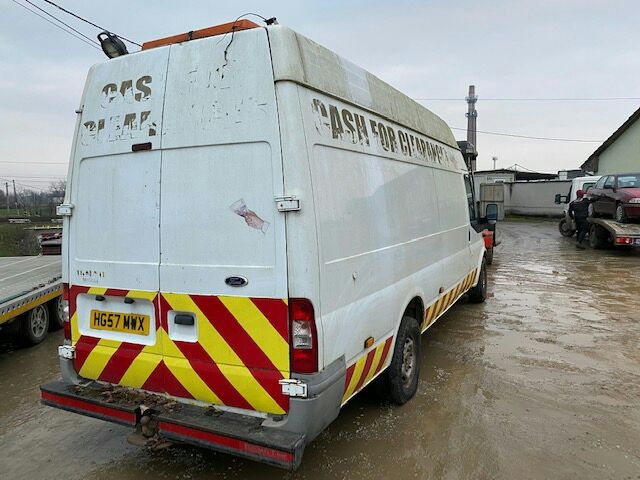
(540,382)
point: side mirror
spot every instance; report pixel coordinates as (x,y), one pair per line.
(558,199)
(607,187)
(492,213)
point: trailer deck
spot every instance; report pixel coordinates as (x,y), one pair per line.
(607,232)
(26,282)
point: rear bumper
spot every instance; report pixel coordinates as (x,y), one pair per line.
(278,441)
(233,433)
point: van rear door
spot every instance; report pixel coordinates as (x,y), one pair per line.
(223,275)
(113,236)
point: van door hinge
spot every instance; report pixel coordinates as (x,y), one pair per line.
(288,203)
(64,210)
(293,388)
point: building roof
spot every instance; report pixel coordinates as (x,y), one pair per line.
(591,164)
(519,174)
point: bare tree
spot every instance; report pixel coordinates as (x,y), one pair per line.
(57,189)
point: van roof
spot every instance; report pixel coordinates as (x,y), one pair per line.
(299,59)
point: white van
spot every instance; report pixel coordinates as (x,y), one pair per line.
(567,225)
(256,229)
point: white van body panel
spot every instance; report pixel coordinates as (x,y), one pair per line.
(114,235)
(221,157)
(388,218)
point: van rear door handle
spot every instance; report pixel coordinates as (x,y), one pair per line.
(182,319)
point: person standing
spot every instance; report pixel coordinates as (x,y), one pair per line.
(579,211)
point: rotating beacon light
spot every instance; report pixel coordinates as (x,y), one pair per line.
(111,45)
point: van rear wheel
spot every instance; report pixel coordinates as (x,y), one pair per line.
(478,294)
(399,382)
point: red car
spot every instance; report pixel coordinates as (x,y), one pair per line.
(617,196)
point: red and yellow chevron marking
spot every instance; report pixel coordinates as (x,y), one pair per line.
(437,308)
(241,353)
(363,370)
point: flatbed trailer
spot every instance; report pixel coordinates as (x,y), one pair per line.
(31,295)
(605,232)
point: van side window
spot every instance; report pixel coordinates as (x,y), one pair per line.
(470,200)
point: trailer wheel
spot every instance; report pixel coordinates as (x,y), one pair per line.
(478,294)
(595,237)
(621,214)
(399,382)
(34,325)
(565,228)
(56,313)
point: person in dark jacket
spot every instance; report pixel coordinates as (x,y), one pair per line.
(579,211)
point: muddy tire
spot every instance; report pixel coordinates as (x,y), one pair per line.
(488,256)
(399,382)
(596,239)
(56,313)
(621,214)
(34,325)
(478,294)
(565,228)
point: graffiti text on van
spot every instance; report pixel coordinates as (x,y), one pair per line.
(352,127)
(125,116)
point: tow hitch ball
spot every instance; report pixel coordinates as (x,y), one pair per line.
(146,433)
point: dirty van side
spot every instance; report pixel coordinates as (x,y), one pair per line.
(259,229)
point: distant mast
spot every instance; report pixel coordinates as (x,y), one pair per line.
(472,114)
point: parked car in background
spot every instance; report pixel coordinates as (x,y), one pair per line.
(567,225)
(617,196)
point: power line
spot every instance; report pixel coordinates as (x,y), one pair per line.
(63,23)
(551,139)
(24,184)
(88,21)
(56,25)
(550,99)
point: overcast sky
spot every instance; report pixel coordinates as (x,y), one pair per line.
(426,49)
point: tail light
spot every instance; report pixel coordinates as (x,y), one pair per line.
(624,241)
(304,336)
(64,311)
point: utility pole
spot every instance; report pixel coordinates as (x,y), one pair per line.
(472,115)
(6,189)
(15,196)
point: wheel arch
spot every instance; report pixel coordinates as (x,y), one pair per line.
(415,308)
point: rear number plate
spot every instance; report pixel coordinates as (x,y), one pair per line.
(135,323)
